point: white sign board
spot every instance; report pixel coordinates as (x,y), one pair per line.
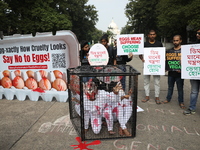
(190,61)
(36,66)
(98,55)
(154,61)
(130,43)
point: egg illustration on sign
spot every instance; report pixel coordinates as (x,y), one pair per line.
(18,82)
(59,84)
(31,83)
(44,83)
(6,81)
(58,74)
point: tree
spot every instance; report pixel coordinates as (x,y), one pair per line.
(24,17)
(83,18)
(172,19)
(95,35)
(169,17)
(141,15)
(4,10)
(35,16)
(127,30)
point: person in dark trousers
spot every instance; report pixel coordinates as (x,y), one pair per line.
(84,57)
(175,76)
(122,60)
(195,87)
(151,42)
(104,41)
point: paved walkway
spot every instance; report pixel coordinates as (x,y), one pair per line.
(43,125)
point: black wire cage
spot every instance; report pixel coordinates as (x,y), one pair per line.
(103,101)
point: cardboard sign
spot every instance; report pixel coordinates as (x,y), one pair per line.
(173,61)
(36,66)
(154,61)
(130,43)
(190,62)
(98,55)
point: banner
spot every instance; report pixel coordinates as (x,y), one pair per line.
(154,61)
(98,55)
(190,61)
(36,66)
(173,60)
(130,43)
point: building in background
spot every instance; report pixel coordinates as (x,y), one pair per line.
(113,28)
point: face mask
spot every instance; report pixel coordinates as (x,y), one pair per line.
(90,90)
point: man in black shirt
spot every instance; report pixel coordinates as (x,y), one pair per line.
(175,76)
(151,42)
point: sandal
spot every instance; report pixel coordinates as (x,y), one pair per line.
(165,102)
(182,105)
(157,101)
(145,100)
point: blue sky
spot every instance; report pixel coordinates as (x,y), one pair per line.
(108,9)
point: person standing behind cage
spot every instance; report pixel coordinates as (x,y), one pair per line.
(104,41)
(151,42)
(195,87)
(84,52)
(121,60)
(175,76)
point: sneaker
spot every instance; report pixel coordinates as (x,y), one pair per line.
(189,112)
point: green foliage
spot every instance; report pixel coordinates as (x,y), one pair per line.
(192,12)
(141,15)
(169,17)
(31,16)
(127,30)
(96,35)
(4,9)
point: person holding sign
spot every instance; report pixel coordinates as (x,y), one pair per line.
(195,87)
(151,42)
(173,66)
(83,54)
(104,41)
(121,60)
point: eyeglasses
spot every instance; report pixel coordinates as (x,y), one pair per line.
(198,33)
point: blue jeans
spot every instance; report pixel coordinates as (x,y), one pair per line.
(195,86)
(179,84)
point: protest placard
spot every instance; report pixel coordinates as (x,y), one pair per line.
(130,43)
(173,60)
(190,61)
(154,61)
(98,55)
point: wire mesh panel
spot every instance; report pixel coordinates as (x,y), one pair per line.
(103,101)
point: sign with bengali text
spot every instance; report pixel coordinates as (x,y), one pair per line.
(98,55)
(154,61)
(190,61)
